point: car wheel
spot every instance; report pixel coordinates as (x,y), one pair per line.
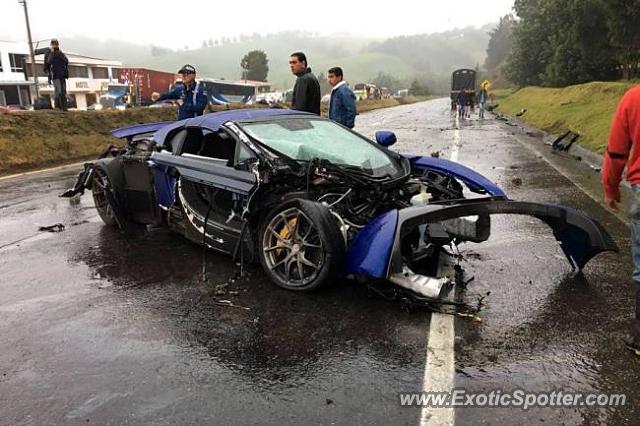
(103,197)
(300,246)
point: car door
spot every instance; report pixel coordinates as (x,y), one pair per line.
(211,187)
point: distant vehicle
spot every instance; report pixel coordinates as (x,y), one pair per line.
(42,103)
(223,92)
(402,93)
(366,91)
(143,83)
(462,79)
(117,96)
(270,97)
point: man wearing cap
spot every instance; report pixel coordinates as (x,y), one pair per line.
(191,96)
(56,66)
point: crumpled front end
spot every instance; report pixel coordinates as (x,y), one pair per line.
(396,245)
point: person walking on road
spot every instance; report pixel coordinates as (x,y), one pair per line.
(191,96)
(306,92)
(623,150)
(482,100)
(342,103)
(462,103)
(56,66)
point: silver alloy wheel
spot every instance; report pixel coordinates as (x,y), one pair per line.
(293,248)
(99,189)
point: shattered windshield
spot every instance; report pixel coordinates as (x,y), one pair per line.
(304,139)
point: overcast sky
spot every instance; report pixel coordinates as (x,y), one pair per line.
(166,24)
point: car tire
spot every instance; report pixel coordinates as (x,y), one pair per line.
(300,246)
(103,197)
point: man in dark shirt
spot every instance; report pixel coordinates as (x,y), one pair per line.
(56,66)
(306,92)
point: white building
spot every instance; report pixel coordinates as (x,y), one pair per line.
(88,77)
(14,87)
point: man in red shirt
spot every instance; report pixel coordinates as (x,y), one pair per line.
(624,150)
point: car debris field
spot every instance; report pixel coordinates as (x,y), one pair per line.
(102,327)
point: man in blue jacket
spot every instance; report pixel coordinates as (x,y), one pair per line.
(342,103)
(191,96)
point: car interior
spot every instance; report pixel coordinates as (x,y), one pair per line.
(218,145)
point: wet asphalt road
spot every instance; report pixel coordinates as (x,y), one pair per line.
(101,328)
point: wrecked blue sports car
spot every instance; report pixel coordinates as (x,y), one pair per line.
(309,199)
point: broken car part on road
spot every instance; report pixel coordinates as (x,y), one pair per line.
(309,199)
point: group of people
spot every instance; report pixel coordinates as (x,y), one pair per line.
(465,101)
(192,98)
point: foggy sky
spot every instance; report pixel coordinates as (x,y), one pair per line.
(187,23)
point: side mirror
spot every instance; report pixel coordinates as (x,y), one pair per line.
(386,137)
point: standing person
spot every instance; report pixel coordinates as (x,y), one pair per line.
(624,149)
(191,96)
(306,92)
(342,103)
(56,66)
(482,99)
(462,102)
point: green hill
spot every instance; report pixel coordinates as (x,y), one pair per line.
(428,57)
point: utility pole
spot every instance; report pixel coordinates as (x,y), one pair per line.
(33,57)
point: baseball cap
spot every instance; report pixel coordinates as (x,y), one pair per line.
(187,69)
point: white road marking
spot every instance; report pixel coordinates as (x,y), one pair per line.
(42,171)
(440,364)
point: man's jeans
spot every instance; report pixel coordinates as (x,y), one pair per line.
(60,93)
(634,217)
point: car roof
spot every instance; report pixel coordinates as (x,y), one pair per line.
(214,120)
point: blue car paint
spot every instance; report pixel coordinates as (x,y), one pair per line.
(164,184)
(386,137)
(370,249)
(474,180)
(138,129)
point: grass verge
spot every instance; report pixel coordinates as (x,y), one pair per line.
(586,109)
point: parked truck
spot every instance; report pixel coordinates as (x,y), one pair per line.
(462,79)
(143,83)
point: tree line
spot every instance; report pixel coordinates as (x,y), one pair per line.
(563,42)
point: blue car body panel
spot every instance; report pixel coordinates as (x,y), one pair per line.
(164,184)
(369,251)
(474,180)
(138,129)
(372,254)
